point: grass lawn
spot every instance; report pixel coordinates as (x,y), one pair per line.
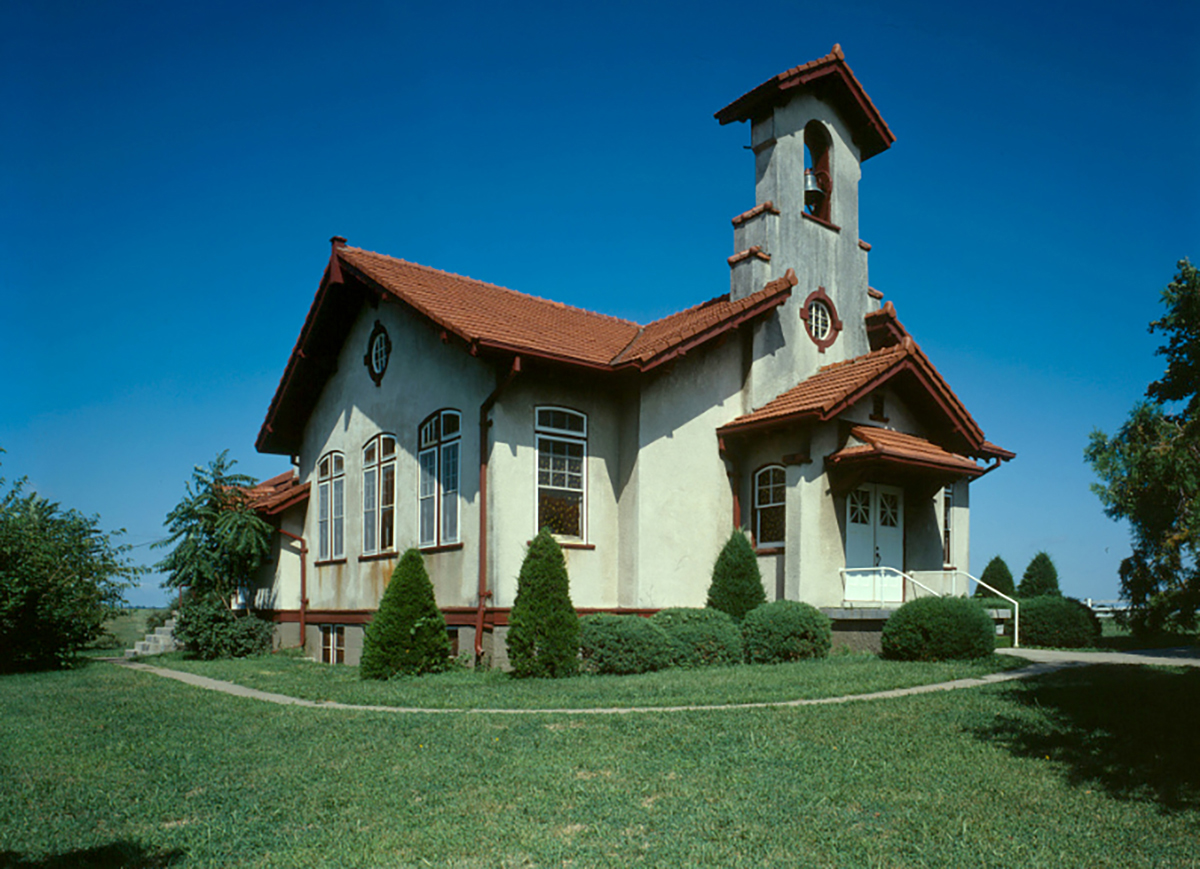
(103,766)
(288,673)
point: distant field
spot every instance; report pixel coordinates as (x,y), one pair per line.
(104,766)
(124,630)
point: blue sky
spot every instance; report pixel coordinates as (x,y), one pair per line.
(171,174)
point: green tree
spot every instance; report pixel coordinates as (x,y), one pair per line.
(1040,577)
(408,633)
(998,576)
(218,541)
(543,627)
(1150,472)
(736,581)
(60,578)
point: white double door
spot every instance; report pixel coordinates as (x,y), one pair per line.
(875,540)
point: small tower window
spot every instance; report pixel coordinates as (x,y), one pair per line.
(818,182)
(820,319)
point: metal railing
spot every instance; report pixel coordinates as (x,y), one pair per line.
(877,575)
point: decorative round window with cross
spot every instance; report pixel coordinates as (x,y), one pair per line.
(379,351)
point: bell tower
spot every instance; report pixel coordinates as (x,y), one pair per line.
(811,128)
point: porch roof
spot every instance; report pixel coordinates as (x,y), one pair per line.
(273,496)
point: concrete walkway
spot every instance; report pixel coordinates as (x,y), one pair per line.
(1041,661)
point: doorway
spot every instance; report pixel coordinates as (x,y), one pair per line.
(874,541)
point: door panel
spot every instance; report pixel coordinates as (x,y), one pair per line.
(875,538)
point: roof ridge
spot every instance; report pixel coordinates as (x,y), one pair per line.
(490,285)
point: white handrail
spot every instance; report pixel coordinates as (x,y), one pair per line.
(876,571)
(1016,607)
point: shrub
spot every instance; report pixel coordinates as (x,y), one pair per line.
(621,645)
(1055,621)
(209,629)
(543,627)
(408,633)
(736,582)
(700,637)
(1040,577)
(999,577)
(785,630)
(938,629)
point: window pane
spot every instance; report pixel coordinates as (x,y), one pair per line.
(369,454)
(560,511)
(428,521)
(339,504)
(387,447)
(387,507)
(323,521)
(428,461)
(369,510)
(450,424)
(337,464)
(860,507)
(324,472)
(771,525)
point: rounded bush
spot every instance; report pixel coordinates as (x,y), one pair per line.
(939,629)
(1055,621)
(621,645)
(785,630)
(700,637)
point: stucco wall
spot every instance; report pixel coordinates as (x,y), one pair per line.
(682,498)
(423,375)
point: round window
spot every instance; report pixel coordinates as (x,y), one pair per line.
(379,349)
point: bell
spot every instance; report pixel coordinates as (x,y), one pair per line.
(814,193)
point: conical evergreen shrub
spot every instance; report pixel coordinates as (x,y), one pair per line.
(998,576)
(736,581)
(543,627)
(1041,577)
(408,633)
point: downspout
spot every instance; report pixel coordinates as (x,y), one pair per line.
(303,583)
(485,423)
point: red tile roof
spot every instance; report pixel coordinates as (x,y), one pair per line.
(277,494)
(479,312)
(487,317)
(835,388)
(829,78)
(881,443)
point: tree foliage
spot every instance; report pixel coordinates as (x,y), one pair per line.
(998,576)
(543,627)
(60,578)
(218,541)
(1040,577)
(408,633)
(1150,472)
(736,581)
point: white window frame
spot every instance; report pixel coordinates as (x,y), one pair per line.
(331,506)
(760,504)
(948,525)
(333,644)
(379,496)
(439,479)
(548,430)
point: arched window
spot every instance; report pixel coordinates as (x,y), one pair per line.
(561,464)
(769,506)
(331,507)
(818,177)
(439,455)
(379,494)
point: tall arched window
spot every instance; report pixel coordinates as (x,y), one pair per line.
(379,494)
(561,478)
(439,455)
(331,507)
(769,506)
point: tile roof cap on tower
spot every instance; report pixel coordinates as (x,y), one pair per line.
(829,78)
